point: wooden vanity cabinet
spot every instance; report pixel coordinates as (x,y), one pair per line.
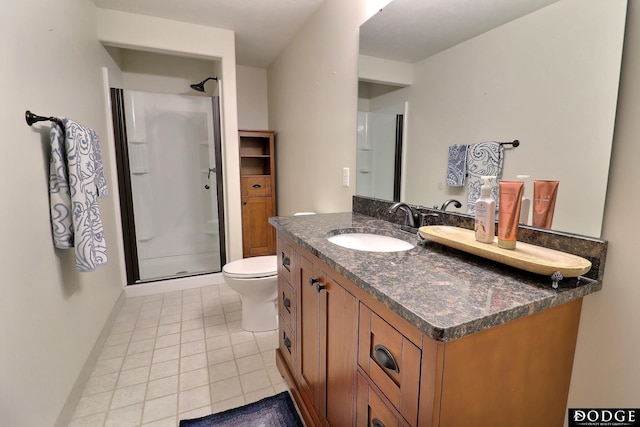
(325,337)
(351,361)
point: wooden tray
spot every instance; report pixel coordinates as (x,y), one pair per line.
(531,258)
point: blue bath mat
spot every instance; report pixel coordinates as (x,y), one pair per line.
(272,411)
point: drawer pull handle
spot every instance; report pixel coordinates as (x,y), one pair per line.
(385,358)
(256,185)
(287,341)
(286,302)
(376,423)
(316,282)
(286,261)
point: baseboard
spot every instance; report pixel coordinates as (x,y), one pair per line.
(78,388)
(180,284)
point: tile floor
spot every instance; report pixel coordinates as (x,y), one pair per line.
(178,355)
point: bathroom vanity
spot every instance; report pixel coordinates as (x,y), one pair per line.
(429,336)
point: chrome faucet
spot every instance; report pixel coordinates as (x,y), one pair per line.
(410,219)
(446,204)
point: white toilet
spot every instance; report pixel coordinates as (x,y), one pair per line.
(256,280)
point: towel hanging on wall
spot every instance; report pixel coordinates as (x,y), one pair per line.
(483,159)
(457,165)
(76,180)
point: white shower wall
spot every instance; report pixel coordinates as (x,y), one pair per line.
(375,160)
(172,161)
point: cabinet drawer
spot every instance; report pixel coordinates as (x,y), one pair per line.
(287,344)
(391,361)
(373,410)
(256,186)
(285,260)
(286,303)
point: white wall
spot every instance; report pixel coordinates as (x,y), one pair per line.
(313,92)
(50,315)
(252,98)
(312,122)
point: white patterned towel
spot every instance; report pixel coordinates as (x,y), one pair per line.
(76,180)
(483,159)
(457,165)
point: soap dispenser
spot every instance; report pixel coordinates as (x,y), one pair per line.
(485,213)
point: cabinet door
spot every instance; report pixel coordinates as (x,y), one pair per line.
(339,327)
(308,330)
(258,236)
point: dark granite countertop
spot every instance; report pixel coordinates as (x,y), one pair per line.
(445,293)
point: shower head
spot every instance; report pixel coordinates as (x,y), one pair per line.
(200,86)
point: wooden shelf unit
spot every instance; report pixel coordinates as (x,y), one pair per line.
(258,184)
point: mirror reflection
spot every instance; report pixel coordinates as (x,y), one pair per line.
(543,72)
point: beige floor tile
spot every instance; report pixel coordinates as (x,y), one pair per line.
(220,355)
(160,408)
(234,402)
(166,353)
(111,351)
(255,381)
(254,396)
(107,366)
(222,371)
(118,338)
(193,379)
(129,395)
(141,346)
(250,363)
(93,404)
(137,360)
(178,355)
(192,335)
(133,376)
(165,422)
(214,319)
(168,340)
(162,387)
(193,347)
(196,413)
(167,319)
(218,330)
(143,334)
(169,328)
(225,389)
(96,420)
(241,336)
(128,416)
(164,369)
(193,399)
(195,361)
(100,383)
(245,349)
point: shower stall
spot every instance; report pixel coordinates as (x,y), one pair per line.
(168,150)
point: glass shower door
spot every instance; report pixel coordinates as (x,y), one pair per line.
(174,165)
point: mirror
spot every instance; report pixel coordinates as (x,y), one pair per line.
(543,72)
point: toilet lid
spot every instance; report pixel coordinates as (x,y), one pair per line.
(260,266)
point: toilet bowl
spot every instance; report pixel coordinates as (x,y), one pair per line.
(256,280)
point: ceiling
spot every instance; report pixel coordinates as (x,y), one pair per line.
(411,30)
(405,30)
(263,28)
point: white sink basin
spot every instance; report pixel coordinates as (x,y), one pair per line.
(370,242)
